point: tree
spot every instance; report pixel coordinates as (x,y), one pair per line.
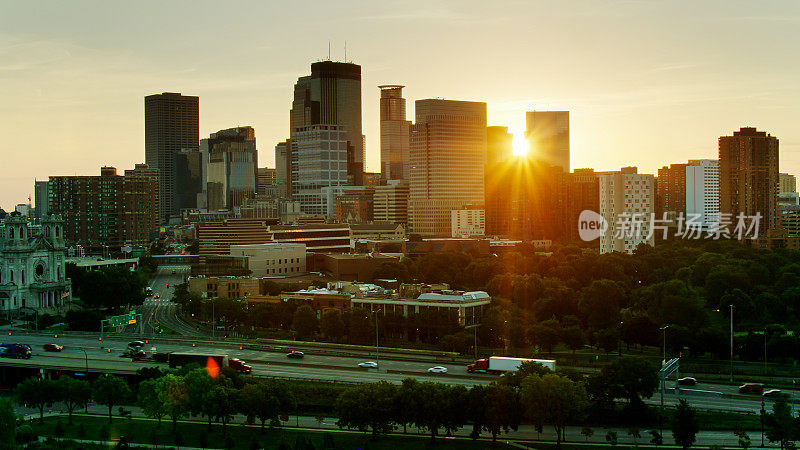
(331,325)
(635,433)
(258,400)
(173,393)
(779,425)
(110,390)
(36,393)
(73,393)
(684,425)
(198,385)
(147,397)
(587,433)
(305,322)
(406,403)
(743,437)
(631,378)
(553,399)
(8,424)
(503,410)
(366,406)
(224,399)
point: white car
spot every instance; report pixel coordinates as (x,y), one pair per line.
(368,365)
(437,369)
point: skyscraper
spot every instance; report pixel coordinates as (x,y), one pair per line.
(786,183)
(394,133)
(497,181)
(748,176)
(547,133)
(283,168)
(671,190)
(171,123)
(331,95)
(702,191)
(40,195)
(319,159)
(626,203)
(232,163)
(448,154)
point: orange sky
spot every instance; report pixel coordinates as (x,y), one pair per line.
(647,83)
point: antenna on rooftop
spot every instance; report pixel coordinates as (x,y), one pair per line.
(345,51)
(329,49)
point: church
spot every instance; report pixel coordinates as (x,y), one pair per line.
(32,264)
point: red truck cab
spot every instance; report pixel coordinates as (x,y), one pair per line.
(481,364)
(239,365)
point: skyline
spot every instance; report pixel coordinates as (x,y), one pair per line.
(75,80)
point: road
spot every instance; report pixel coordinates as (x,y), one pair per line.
(158,311)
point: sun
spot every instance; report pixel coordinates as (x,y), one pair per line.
(519,144)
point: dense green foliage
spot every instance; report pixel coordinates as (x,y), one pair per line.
(107,287)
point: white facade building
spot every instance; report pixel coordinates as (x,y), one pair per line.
(626,203)
(273,259)
(466,223)
(319,159)
(32,265)
(702,191)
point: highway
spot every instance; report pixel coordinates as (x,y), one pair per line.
(158,311)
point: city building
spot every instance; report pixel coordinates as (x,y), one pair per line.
(394,133)
(378,231)
(497,181)
(332,95)
(469,305)
(350,266)
(171,124)
(319,159)
(626,203)
(232,160)
(702,191)
(547,133)
(283,168)
(355,205)
(581,193)
(188,177)
(786,183)
(225,287)
(42,199)
(216,238)
(467,222)
(390,202)
(748,177)
(265,178)
(447,155)
(32,276)
(317,237)
(273,259)
(671,190)
(107,211)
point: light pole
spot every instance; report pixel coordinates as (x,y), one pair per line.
(765,351)
(731,343)
(475,331)
(664,344)
(86,361)
(376,337)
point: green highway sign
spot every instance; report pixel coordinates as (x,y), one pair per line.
(125,319)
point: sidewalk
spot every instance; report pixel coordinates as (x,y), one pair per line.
(525,433)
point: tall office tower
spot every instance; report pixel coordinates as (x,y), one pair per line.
(394,133)
(702,191)
(331,95)
(319,159)
(109,210)
(498,181)
(171,123)
(40,195)
(188,176)
(626,203)
(283,168)
(265,177)
(671,190)
(786,183)
(390,202)
(447,154)
(581,192)
(748,176)
(232,163)
(547,133)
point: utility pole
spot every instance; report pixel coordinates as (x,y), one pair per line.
(376,338)
(731,343)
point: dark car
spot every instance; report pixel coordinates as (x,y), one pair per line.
(136,344)
(53,347)
(687,381)
(775,393)
(294,354)
(173,271)
(751,388)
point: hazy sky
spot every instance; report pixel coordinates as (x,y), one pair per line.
(647,83)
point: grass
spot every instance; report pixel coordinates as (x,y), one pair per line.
(147,432)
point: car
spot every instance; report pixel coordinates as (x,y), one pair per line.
(295,354)
(687,381)
(158,295)
(751,388)
(173,271)
(775,393)
(437,369)
(136,344)
(368,365)
(167,284)
(53,347)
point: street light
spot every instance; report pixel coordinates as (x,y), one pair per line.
(731,343)
(376,337)
(664,345)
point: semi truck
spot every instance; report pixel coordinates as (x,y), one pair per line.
(183,359)
(16,351)
(502,364)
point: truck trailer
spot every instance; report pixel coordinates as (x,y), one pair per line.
(502,364)
(183,359)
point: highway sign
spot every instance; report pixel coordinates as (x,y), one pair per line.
(125,319)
